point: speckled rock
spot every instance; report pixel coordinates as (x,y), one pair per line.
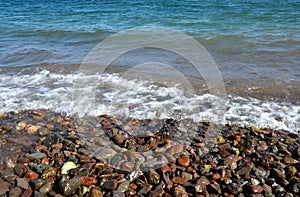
(179,191)
(184,160)
(70,186)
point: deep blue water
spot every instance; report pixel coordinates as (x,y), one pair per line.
(245,37)
(255,43)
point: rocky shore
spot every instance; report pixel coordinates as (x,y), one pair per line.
(43,153)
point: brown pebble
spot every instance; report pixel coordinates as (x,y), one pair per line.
(178,180)
(30,175)
(23,160)
(200,187)
(87,180)
(231,162)
(128,166)
(22,183)
(105,123)
(267,189)
(179,191)
(216,176)
(32,129)
(110,185)
(27,193)
(178,148)
(20,169)
(39,113)
(165,169)
(184,160)
(298,151)
(65,123)
(41,147)
(4,187)
(256,189)
(142,148)
(57,146)
(244,170)
(21,126)
(3,116)
(34,117)
(45,161)
(279,173)
(289,160)
(224,153)
(96,192)
(117,193)
(203,180)
(15,192)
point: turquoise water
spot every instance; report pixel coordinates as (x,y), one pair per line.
(244,37)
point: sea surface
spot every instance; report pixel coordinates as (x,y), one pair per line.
(254,43)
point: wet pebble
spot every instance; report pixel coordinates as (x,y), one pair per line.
(110,185)
(33,156)
(27,193)
(256,189)
(70,186)
(117,193)
(184,160)
(124,186)
(96,192)
(15,192)
(4,187)
(30,175)
(179,191)
(87,180)
(45,188)
(68,166)
(153,177)
(22,183)
(118,139)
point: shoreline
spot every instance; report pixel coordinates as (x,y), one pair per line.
(266,88)
(44,153)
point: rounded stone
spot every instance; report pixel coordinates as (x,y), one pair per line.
(256,189)
(179,191)
(70,186)
(184,160)
(118,139)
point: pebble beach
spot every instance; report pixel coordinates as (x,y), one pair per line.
(44,153)
(149,98)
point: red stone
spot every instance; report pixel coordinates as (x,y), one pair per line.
(256,189)
(184,160)
(30,175)
(105,123)
(165,169)
(178,148)
(87,180)
(65,123)
(45,161)
(216,176)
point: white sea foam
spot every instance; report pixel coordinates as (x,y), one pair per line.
(139,99)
